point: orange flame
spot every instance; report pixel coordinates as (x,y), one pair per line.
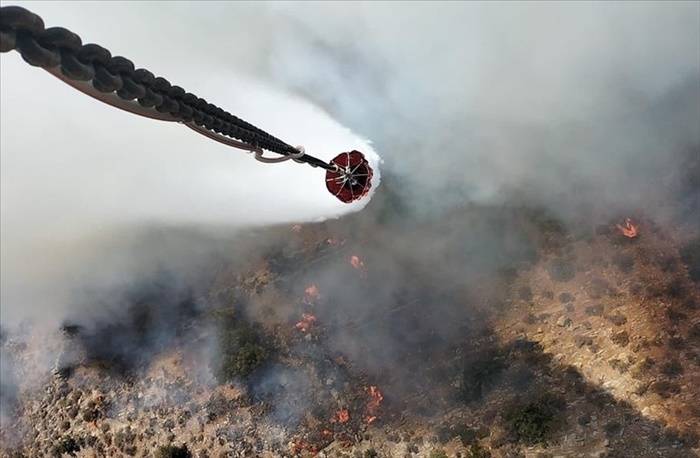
(629,230)
(373,404)
(308,320)
(312,291)
(343,416)
(311,295)
(356,262)
(358,265)
(296,228)
(299,445)
(330,241)
(376,397)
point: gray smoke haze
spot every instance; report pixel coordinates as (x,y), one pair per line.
(465,101)
(476,99)
(567,106)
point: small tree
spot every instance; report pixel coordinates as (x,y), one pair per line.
(243,349)
(171,451)
(534,422)
(66,445)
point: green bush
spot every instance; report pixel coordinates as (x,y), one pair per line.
(242,349)
(170,451)
(672,368)
(66,445)
(676,315)
(534,422)
(478,451)
(621,338)
(466,434)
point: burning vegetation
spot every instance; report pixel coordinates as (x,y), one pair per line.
(306,322)
(542,357)
(629,230)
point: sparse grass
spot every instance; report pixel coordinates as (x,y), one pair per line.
(582,341)
(561,270)
(480,372)
(624,262)
(620,366)
(669,264)
(676,343)
(646,364)
(690,304)
(478,451)
(675,315)
(444,434)
(124,441)
(594,310)
(672,368)
(612,428)
(665,388)
(525,293)
(466,434)
(694,333)
(598,287)
(690,255)
(676,288)
(91,412)
(530,319)
(72,411)
(508,273)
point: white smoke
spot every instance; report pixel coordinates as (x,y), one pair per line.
(74,170)
(466,101)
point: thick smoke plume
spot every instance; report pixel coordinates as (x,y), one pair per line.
(94,171)
(476,101)
(467,102)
